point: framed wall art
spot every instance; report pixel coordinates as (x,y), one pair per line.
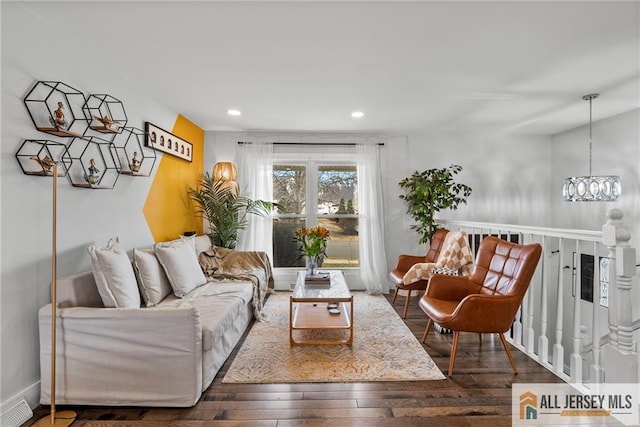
(165,141)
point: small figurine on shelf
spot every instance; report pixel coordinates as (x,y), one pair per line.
(46,163)
(135,163)
(93,176)
(58,121)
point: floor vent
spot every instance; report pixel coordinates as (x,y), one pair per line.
(16,414)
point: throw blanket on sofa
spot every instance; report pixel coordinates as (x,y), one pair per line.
(455,255)
(221,263)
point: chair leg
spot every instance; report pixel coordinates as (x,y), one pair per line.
(454,350)
(426,331)
(506,348)
(395,294)
(406,305)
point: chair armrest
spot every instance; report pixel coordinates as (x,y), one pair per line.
(487,313)
(117,355)
(450,288)
(405,262)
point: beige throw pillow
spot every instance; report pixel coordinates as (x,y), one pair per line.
(114,276)
(152,280)
(178,258)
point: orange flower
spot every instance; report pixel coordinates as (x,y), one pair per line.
(313,241)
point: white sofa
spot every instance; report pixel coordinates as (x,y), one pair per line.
(165,355)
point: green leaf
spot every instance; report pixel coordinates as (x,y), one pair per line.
(225,209)
(429,192)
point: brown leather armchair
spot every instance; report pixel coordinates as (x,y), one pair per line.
(488,299)
(405,262)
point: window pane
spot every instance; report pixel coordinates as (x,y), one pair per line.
(289,188)
(337,190)
(342,247)
(285,249)
(336,198)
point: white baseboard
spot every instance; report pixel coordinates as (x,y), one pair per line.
(30,394)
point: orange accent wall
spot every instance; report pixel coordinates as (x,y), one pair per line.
(168,209)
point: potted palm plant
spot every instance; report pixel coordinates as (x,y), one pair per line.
(429,192)
(225,209)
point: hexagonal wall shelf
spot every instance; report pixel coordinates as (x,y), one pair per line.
(105,114)
(57,109)
(37,157)
(95,163)
(136,158)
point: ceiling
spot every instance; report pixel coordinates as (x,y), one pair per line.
(409,66)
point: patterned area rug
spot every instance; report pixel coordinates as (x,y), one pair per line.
(383,349)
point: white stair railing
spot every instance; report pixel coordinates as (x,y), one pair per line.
(555,309)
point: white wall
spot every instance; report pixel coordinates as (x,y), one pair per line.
(85,216)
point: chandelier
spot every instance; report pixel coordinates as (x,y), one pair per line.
(592,188)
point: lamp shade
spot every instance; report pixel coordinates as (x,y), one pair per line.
(225,171)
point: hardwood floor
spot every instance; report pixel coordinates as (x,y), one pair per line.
(478,394)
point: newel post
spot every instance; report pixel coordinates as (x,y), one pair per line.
(620,356)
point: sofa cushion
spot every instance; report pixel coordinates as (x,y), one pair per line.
(152,280)
(180,263)
(114,276)
(220,312)
(219,304)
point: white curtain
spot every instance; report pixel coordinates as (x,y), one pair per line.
(373,258)
(255,181)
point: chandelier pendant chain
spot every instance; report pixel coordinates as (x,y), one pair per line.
(590,98)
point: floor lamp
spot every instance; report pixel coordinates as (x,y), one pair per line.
(63,418)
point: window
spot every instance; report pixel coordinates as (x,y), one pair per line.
(332,189)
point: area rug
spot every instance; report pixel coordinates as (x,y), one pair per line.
(383,349)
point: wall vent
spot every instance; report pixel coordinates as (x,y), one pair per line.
(16,414)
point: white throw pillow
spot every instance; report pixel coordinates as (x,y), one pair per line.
(191,240)
(203,243)
(179,260)
(114,276)
(152,280)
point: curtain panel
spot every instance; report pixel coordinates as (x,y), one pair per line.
(373,258)
(255,182)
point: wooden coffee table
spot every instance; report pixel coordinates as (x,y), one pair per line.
(308,309)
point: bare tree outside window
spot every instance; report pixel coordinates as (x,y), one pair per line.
(333,189)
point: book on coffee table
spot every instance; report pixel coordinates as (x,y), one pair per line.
(319,279)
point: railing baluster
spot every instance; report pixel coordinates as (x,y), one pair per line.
(575,366)
(609,239)
(596,372)
(530,333)
(543,341)
(558,350)
(521,314)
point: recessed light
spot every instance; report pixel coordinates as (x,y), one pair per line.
(233,112)
(357,114)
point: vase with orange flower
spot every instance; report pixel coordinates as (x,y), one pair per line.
(312,244)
